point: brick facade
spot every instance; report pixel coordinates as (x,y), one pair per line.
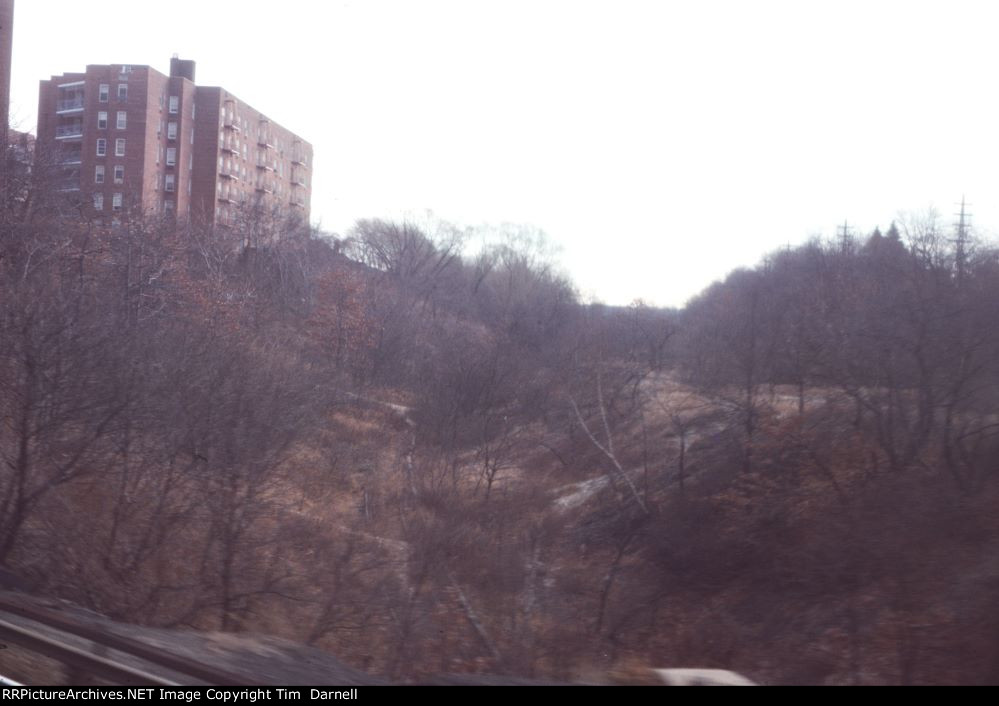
(189,151)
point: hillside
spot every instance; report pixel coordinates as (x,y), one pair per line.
(427,462)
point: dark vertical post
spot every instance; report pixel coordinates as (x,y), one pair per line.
(6,44)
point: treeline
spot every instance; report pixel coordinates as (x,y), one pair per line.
(166,394)
(153,382)
(903,325)
(839,517)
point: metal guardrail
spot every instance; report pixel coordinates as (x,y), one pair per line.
(69,131)
(31,637)
(46,631)
(77,658)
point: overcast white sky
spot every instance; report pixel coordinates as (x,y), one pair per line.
(659,143)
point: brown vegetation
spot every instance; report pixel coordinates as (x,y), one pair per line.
(431,463)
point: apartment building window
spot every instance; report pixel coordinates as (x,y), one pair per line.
(192,135)
(168,185)
(119,174)
(102,120)
(119,147)
(99,174)
(102,147)
(171,131)
(194,111)
(98,202)
(174,104)
(171,156)
(122,119)
(104,92)
(116,202)
(122,91)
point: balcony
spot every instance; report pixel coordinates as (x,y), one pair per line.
(69,105)
(68,180)
(298,201)
(229,173)
(231,124)
(298,181)
(265,138)
(263,164)
(230,146)
(299,159)
(265,187)
(70,160)
(69,132)
(68,185)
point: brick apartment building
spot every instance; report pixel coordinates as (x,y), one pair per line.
(6,44)
(130,139)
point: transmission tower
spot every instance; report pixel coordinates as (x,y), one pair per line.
(845,237)
(962,226)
